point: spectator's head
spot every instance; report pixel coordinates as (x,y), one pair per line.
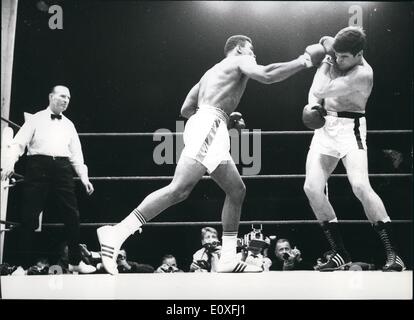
(169,260)
(41,267)
(42,262)
(122,256)
(282,247)
(208,235)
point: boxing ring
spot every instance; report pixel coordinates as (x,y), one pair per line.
(267,285)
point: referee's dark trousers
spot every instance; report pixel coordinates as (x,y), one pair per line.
(48,176)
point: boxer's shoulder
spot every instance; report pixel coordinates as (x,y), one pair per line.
(363,71)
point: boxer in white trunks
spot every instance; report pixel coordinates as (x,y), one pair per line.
(341,88)
(208,106)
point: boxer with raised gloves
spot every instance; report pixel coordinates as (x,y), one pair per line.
(236,121)
(344,83)
(313,116)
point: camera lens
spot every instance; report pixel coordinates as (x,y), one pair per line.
(285,256)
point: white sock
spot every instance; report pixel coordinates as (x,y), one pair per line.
(387,219)
(130,224)
(229,246)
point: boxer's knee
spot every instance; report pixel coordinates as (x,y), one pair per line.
(179,192)
(313,191)
(361,189)
(238,192)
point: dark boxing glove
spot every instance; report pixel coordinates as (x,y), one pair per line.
(313,55)
(313,116)
(327,42)
(236,121)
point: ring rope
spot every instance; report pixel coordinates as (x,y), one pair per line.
(262,176)
(15,125)
(207,223)
(263,133)
(168,133)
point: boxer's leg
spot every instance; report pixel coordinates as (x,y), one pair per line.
(318,169)
(356,164)
(228,178)
(188,172)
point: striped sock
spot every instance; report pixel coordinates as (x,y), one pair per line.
(139,216)
(228,247)
(130,224)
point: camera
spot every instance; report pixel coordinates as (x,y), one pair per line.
(203,264)
(212,246)
(254,239)
(285,256)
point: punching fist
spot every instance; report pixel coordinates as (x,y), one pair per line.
(327,42)
(313,55)
(236,121)
(313,116)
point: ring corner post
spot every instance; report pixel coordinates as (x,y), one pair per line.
(8,31)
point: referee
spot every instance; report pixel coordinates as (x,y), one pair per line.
(53,149)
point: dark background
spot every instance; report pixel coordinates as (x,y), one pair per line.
(129,66)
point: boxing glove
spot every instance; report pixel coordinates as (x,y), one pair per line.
(313,55)
(313,116)
(236,121)
(327,42)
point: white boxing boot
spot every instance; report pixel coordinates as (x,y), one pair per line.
(110,244)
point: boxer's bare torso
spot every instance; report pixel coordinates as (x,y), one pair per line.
(356,100)
(223,85)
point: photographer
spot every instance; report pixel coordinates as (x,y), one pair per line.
(169,265)
(253,247)
(205,259)
(287,258)
(126,266)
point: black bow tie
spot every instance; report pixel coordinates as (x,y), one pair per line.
(56,116)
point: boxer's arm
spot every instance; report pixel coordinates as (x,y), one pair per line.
(312,99)
(190,103)
(356,80)
(271,73)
